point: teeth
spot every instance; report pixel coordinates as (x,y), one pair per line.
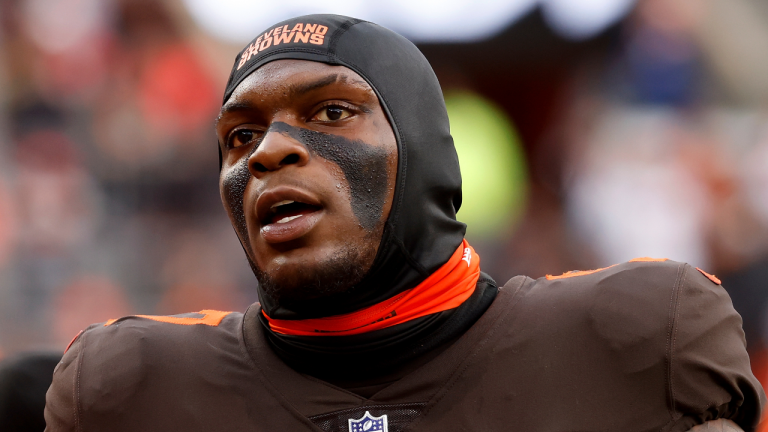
(274,206)
(288,219)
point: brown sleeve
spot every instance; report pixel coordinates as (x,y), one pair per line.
(709,374)
(61,401)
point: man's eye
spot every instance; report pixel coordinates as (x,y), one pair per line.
(242,137)
(332,113)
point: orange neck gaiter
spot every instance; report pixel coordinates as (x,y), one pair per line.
(445,289)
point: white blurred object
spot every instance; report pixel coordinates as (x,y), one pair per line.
(632,196)
(449,21)
(238,21)
(58,25)
(582,19)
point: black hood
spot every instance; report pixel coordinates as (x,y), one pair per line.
(421,232)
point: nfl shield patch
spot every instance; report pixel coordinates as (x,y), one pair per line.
(369,423)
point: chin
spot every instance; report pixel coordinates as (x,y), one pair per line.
(301,281)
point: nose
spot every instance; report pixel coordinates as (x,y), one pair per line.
(276,150)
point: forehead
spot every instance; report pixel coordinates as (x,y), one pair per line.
(290,77)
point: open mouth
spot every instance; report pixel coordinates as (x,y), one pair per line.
(287,211)
(287,214)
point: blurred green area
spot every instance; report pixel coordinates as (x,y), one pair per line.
(493,167)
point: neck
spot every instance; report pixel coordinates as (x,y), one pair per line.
(366,362)
(445,289)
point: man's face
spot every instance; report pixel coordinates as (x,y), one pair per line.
(307,178)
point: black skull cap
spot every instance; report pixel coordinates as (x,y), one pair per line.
(421,232)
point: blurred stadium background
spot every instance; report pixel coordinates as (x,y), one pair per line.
(590,132)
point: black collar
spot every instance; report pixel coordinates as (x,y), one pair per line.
(368,361)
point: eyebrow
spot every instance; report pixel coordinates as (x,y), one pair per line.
(301,89)
(295,90)
(231,107)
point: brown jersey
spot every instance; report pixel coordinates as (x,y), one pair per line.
(641,346)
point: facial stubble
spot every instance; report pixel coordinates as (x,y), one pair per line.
(364,167)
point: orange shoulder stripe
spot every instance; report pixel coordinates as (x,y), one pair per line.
(575,273)
(72,341)
(209,317)
(713,278)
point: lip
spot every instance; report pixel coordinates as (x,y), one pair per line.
(283,232)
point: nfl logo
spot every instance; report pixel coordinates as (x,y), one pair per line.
(369,423)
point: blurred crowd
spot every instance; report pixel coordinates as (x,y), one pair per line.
(668,149)
(109,198)
(657,145)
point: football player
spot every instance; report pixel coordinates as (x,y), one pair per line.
(339,175)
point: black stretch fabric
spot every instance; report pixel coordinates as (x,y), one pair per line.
(389,353)
(421,232)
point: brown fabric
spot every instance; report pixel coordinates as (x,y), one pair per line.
(636,347)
